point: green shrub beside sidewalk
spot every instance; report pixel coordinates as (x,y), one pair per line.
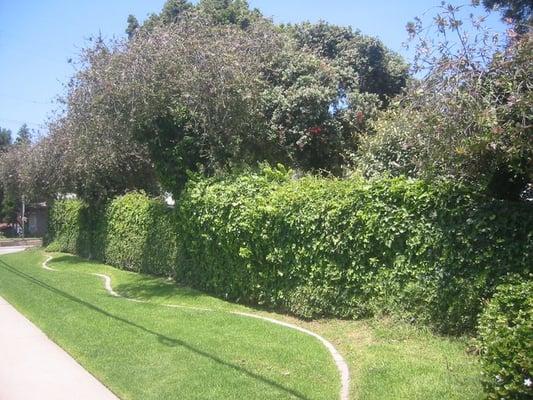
(132,232)
(139,234)
(70,227)
(428,252)
(506,341)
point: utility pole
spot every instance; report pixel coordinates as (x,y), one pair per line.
(23,215)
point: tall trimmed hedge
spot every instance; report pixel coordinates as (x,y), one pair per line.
(352,248)
(133,232)
(347,248)
(70,227)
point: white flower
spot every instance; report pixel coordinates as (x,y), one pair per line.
(528,382)
(499,379)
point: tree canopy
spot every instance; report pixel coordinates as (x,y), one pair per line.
(518,12)
(203,88)
(5,139)
(23,135)
(468,119)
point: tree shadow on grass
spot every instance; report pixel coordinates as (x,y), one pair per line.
(147,288)
(71,259)
(165,340)
(150,288)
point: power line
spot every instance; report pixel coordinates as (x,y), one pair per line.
(6,96)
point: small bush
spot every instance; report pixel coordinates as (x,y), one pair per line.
(506,337)
(139,234)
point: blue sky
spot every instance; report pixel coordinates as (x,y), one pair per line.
(38,37)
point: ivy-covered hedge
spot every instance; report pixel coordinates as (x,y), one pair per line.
(132,232)
(430,252)
(506,339)
(351,248)
(70,227)
(139,234)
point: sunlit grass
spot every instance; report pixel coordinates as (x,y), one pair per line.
(146,351)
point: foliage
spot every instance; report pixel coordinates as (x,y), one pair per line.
(299,106)
(21,172)
(86,151)
(15,173)
(219,12)
(5,143)
(133,25)
(68,227)
(351,248)
(181,96)
(365,65)
(506,338)
(8,208)
(324,90)
(32,170)
(23,135)
(139,234)
(5,139)
(518,12)
(132,232)
(468,119)
(234,12)
(206,87)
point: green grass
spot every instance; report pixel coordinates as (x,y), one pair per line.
(393,360)
(146,351)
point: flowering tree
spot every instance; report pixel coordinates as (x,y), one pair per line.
(468,117)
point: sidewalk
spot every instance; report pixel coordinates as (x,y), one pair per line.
(11,249)
(32,367)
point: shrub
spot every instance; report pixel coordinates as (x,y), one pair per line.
(69,227)
(132,232)
(351,248)
(428,252)
(506,337)
(138,233)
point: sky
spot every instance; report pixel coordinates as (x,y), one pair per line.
(37,38)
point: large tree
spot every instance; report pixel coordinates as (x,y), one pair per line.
(518,12)
(468,118)
(185,93)
(5,143)
(365,64)
(23,135)
(201,88)
(5,139)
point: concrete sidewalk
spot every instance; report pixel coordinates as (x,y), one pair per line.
(32,367)
(11,249)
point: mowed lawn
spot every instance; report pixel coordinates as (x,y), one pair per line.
(147,351)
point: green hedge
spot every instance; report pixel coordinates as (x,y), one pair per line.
(132,232)
(506,338)
(69,227)
(139,235)
(351,248)
(431,253)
